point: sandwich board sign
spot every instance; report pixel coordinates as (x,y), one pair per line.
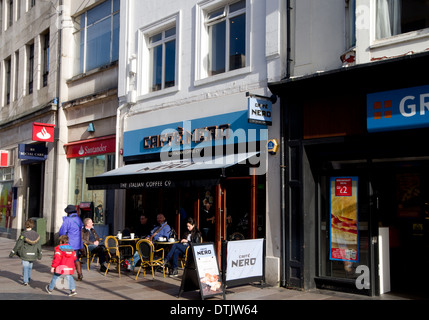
(202,272)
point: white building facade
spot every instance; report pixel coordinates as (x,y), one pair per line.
(187,71)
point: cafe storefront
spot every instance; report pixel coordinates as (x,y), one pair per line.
(205,167)
(356,182)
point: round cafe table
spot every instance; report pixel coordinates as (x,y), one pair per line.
(165,244)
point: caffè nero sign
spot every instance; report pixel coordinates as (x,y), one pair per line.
(185,136)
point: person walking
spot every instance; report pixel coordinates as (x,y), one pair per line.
(72,227)
(29,249)
(63,265)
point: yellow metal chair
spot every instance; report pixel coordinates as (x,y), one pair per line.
(115,253)
(85,254)
(149,257)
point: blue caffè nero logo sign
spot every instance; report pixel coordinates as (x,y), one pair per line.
(398,109)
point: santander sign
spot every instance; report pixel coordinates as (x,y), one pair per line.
(43,132)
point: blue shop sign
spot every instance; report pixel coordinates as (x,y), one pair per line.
(398,109)
(224,129)
(34,152)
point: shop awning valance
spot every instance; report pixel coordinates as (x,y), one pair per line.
(169,174)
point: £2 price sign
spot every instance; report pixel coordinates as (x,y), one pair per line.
(343,187)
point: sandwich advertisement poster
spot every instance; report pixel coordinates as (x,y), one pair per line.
(344,219)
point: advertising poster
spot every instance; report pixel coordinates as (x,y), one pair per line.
(245,259)
(344,219)
(208,270)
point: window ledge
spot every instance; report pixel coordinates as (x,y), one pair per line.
(400,38)
(222,76)
(158,93)
(92,72)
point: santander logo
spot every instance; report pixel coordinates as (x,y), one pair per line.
(43,134)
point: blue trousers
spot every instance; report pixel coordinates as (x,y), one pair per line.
(66,282)
(27,267)
(176,250)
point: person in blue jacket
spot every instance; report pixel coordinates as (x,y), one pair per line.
(72,227)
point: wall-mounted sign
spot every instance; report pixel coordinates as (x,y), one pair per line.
(398,109)
(260,111)
(4,158)
(34,152)
(344,219)
(225,129)
(43,132)
(272,146)
(91,147)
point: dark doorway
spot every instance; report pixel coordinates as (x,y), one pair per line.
(35,187)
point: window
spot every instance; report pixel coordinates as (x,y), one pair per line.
(10,13)
(45,58)
(158,57)
(16,75)
(80,169)
(30,68)
(395,17)
(227,38)
(162,48)
(222,41)
(350,23)
(8,77)
(98,36)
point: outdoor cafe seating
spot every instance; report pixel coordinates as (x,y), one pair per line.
(117,253)
(149,257)
(88,256)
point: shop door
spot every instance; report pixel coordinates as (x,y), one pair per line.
(348,242)
(402,198)
(34,190)
(239,209)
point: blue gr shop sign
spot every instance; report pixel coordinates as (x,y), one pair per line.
(224,129)
(398,109)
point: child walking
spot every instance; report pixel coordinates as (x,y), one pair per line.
(63,264)
(28,248)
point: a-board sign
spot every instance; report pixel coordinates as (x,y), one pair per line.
(202,272)
(244,261)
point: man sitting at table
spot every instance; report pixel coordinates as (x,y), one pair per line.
(92,240)
(162,229)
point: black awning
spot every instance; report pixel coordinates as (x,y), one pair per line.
(168,174)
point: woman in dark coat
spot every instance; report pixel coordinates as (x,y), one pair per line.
(193,235)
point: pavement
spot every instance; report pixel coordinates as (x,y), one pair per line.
(97,287)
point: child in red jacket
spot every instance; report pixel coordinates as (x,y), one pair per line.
(63,265)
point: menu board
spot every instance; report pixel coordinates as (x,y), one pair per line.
(202,271)
(344,219)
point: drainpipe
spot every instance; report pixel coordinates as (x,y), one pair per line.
(288,38)
(283,154)
(54,210)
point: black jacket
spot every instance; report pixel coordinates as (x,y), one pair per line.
(195,235)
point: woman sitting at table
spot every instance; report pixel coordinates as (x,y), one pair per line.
(193,235)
